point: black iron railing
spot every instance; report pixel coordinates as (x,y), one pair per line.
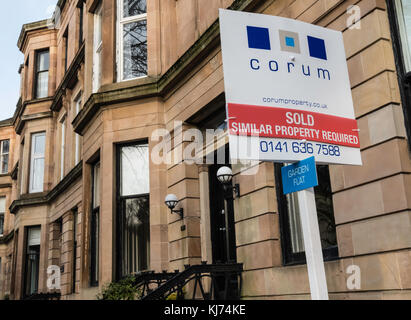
(44,296)
(147,281)
(201,282)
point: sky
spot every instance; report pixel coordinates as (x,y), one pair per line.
(12,16)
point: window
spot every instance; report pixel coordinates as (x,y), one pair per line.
(95,226)
(4,156)
(75,222)
(81,22)
(26,78)
(32,259)
(62,145)
(77,146)
(97,48)
(399,12)
(403,9)
(132,39)
(291,232)
(42,74)
(38,145)
(65,39)
(133,213)
(21,170)
(2,213)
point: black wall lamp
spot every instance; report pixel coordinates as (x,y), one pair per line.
(171,202)
(225,176)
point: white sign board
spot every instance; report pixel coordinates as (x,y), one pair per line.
(287,90)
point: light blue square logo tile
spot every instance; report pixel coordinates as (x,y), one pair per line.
(289,42)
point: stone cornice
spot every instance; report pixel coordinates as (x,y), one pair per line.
(45,198)
(19,119)
(6,123)
(5,185)
(33,26)
(6,239)
(41,115)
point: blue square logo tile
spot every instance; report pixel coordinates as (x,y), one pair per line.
(289,42)
(317,48)
(258,38)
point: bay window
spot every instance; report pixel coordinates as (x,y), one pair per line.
(38,146)
(4,156)
(42,74)
(132,39)
(133,213)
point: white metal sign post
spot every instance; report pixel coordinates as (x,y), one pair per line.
(288,98)
(312,244)
(301,177)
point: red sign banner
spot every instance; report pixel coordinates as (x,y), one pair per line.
(275,122)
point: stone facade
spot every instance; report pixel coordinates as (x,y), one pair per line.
(184,86)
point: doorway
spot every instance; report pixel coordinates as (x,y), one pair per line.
(223,243)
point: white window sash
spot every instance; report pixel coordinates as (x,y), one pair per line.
(34,157)
(120,41)
(3,154)
(97,47)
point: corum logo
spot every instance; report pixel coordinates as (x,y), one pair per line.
(259,38)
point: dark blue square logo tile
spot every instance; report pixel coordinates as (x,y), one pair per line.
(258,38)
(317,48)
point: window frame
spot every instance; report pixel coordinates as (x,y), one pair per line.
(95,226)
(80,7)
(35,157)
(75,235)
(63,123)
(120,40)
(404,77)
(289,257)
(22,177)
(2,215)
(120,200)
(66,42)
(26,259)
(97,47)
(37,72)
(77,101)
(3,154)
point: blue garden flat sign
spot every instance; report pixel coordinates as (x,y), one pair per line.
(299,176)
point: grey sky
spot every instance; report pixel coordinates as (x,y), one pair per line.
(12,16)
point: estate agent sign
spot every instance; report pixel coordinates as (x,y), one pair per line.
(287,90)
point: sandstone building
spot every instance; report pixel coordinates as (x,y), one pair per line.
(79,189)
